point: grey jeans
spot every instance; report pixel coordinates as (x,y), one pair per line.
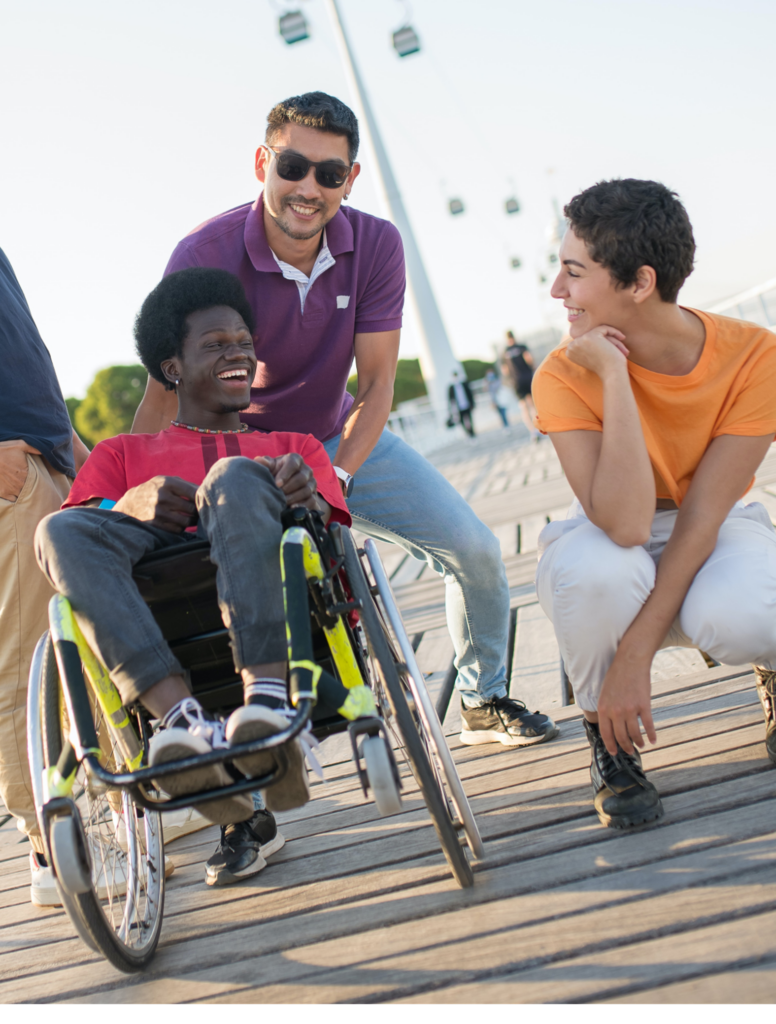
(88,554)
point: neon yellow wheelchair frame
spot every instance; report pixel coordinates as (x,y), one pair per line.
(300,562)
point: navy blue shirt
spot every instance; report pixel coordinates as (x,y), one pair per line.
(31,402)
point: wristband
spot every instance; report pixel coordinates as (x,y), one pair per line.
(106,503)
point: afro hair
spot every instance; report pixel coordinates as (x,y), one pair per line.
(160,326)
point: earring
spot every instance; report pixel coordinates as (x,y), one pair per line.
(344,198)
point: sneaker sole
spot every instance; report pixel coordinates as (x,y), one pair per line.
(293,790)
(226,877)
(474,739)
(46,898)
(250,729)
(224,811)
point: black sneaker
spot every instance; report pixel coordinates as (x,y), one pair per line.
(623,795)
(766,691)
(244,849)
(507,721)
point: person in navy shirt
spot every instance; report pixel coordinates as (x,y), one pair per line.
(39,455)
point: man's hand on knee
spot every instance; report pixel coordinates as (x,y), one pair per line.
(167,502)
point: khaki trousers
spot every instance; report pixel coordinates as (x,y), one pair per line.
(24,597)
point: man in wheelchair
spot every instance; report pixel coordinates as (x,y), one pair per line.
(206,476)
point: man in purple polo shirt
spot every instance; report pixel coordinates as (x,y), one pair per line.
(326,284)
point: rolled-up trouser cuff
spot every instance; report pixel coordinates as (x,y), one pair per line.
(259,647)
(143,670)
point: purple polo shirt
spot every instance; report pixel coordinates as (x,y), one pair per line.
(305,358)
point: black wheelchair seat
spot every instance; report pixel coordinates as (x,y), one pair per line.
(179,586)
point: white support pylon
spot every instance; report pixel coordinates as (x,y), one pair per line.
(437,361)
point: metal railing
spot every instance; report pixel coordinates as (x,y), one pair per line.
(757,305)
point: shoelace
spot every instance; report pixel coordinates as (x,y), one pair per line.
(767,680)
(210,729)
(509,704)
(275,689)
(622,762)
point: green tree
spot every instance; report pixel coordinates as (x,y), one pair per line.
(72,404)
(110,403)
(475,369)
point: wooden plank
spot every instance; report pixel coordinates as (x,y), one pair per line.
(435,651)
(408,571)
(632,967)
(530,528)
(239,940)
(536,662)
(507,538)
(608,931)
(747,985)
(550,888)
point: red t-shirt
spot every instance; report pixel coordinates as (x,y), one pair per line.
(120,463)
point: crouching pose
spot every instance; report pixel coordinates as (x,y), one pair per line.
(139,493)
(660,416)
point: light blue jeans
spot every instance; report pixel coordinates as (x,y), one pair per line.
(399,497)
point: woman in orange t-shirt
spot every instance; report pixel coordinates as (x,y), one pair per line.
(660,416)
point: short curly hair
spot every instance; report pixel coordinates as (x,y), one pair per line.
(315,110)
(627,223)
(160,326)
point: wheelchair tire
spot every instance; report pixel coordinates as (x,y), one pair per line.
(417,753)
(120,912)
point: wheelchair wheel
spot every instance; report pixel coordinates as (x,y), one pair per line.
(380,772)
(427,720)
(401,708)
(109,861)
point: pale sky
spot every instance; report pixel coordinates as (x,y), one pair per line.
(123,126)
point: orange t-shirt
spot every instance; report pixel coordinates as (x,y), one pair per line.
(731,390)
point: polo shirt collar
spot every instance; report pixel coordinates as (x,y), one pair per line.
(339,235)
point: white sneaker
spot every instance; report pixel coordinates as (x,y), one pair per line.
(110,863)
(43,888)
(188,731)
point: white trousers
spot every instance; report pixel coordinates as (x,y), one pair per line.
(592,589)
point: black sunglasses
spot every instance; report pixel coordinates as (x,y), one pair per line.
(294,167)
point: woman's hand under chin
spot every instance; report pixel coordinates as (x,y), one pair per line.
(601,350)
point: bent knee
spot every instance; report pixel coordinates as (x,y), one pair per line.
(733,631)
(233,472)
(57,530)
(595,567)
(57,537)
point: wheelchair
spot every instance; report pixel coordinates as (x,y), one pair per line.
(351,668)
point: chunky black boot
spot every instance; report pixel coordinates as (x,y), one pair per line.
(623,795)
(766,691)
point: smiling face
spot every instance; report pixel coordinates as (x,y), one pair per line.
(588,290)
(301,209)
(216,368)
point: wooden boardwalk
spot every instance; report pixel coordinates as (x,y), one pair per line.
(362,909)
